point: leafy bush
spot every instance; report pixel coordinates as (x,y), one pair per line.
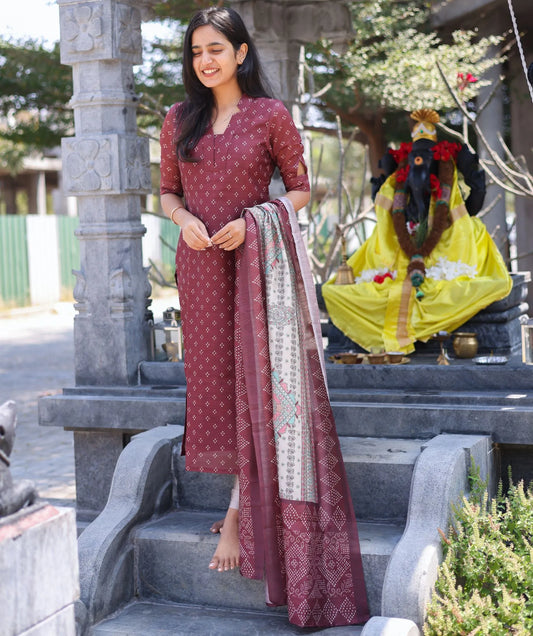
(485,583)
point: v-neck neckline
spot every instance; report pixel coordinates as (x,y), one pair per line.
(233,117)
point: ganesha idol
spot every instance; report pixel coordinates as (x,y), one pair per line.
(430,264)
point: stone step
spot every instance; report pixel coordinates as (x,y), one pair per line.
(422,373)
(379,472)
(164,390)
(501,399)
(505,416)
(173,552)
(144,618)
(460,375)
(345,394)
(507,422)
(130,411)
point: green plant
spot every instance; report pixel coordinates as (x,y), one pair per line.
(485,583)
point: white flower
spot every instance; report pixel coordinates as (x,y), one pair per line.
(450,270)
(368,275)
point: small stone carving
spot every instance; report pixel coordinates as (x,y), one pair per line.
(138,175)
(120,292)
(147,287)
(120,286)
(79,292)
(83,28)
(13,497)
(88,165)
(129,29)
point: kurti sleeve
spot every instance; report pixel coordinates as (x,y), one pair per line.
(287,149)
(170,171)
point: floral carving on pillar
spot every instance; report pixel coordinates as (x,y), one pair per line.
(82,28)
(79,292)
(138,177)
(128,25)
(120,291)
(88,165)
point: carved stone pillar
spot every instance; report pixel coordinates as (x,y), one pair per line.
(107,166)
(280,27)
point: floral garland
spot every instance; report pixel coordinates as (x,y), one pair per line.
(445,153)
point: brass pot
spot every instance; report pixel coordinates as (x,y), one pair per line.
(465,344)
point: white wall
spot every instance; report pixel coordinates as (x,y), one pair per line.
(43,259)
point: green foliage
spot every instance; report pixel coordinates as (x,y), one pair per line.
(34,92)
(485,583)
(158,82)
(390,65)
(12,155)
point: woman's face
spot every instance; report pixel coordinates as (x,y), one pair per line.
(214,59)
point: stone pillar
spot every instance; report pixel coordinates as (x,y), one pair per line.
(279,27)
(41,193)
(107,166)
(37,193)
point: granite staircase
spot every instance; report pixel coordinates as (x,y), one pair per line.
(408,435)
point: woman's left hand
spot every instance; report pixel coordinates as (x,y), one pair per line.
(231,235)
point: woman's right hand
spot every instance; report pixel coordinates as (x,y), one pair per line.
(194,232)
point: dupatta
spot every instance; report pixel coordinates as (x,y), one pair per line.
(296,521)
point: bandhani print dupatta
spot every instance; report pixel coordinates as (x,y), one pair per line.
(297,525)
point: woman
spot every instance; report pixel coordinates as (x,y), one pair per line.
(219,150)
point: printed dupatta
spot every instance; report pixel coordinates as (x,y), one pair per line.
(297,525)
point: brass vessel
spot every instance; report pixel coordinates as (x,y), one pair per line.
(465,344)
(344,273)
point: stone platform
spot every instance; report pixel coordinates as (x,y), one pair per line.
(39,572)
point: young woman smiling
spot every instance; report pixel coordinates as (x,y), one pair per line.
(219,149)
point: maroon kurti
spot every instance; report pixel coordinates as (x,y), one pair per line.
(233,173)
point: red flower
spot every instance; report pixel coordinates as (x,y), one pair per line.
(401,174)
(402,152)
(380,278)
(412,227)
(445,150)
(463,80)
(436,188)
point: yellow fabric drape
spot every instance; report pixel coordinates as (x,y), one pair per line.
(387,315)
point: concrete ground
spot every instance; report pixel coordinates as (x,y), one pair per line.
(37,358)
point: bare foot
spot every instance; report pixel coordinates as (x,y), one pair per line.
(227,554)
(217,526)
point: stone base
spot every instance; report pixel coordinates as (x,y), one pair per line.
(39,566)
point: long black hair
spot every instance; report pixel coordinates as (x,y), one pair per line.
(195,114)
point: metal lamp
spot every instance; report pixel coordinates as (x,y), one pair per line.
(167,341)
(527,342)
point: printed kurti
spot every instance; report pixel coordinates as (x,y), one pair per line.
(464,273)
(233,173)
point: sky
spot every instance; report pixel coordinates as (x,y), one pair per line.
(39,19)
(30,18)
